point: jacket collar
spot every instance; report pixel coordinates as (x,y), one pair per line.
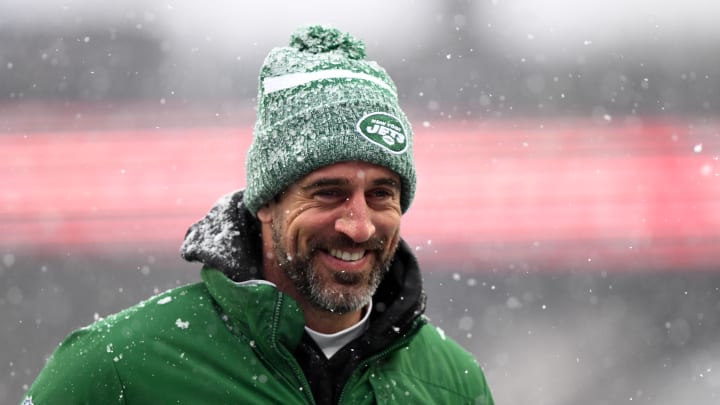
(257,310)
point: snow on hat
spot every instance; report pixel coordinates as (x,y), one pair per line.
(319,103)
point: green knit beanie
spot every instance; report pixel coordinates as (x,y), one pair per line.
(319,103)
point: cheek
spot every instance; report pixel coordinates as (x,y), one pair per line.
(393,241)
(299,233)
(389,229)
(283,238)
(289,241)
(388,223)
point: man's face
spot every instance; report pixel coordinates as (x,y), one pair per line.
(334,233)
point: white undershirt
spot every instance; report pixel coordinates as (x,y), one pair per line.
(330,344)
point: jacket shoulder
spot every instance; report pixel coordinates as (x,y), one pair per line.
(86,366)
(168,312)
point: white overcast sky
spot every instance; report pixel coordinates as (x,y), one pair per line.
(540,26)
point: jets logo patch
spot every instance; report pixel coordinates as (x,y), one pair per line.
(384,130)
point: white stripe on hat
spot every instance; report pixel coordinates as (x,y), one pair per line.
(277,83)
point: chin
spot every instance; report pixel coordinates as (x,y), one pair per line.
(342,299)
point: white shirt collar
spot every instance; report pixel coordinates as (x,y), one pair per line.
(331,343)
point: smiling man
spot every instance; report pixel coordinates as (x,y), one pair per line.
(308,292)
(331,238)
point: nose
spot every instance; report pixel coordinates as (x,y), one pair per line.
(356,219)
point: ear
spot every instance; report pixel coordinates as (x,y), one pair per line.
(264,214)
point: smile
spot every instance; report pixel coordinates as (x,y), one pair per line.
(346,256)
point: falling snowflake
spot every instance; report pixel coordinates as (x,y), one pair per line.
(441,332)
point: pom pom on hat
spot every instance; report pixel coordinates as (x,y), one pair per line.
(319,103)
(319,39)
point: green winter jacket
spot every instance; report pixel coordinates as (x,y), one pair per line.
(241,341)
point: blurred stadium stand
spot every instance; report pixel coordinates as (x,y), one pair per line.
(568,211)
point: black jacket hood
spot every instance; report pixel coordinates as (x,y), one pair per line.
(228,239)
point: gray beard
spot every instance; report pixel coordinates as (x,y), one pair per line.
(317,292)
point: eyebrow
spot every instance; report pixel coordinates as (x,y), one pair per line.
(387,181)
(332,181)
(324,182)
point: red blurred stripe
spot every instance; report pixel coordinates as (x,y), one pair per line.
(491,194)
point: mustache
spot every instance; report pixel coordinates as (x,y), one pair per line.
(344,242)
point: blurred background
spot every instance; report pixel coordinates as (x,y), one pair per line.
(568,207)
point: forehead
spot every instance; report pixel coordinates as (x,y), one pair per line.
(351,171)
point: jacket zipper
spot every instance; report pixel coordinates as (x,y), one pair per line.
(305,385)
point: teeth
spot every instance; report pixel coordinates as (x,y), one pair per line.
(346,256)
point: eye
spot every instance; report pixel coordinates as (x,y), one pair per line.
(383,193)
(329,195)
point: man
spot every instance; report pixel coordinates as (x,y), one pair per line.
(309,295)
